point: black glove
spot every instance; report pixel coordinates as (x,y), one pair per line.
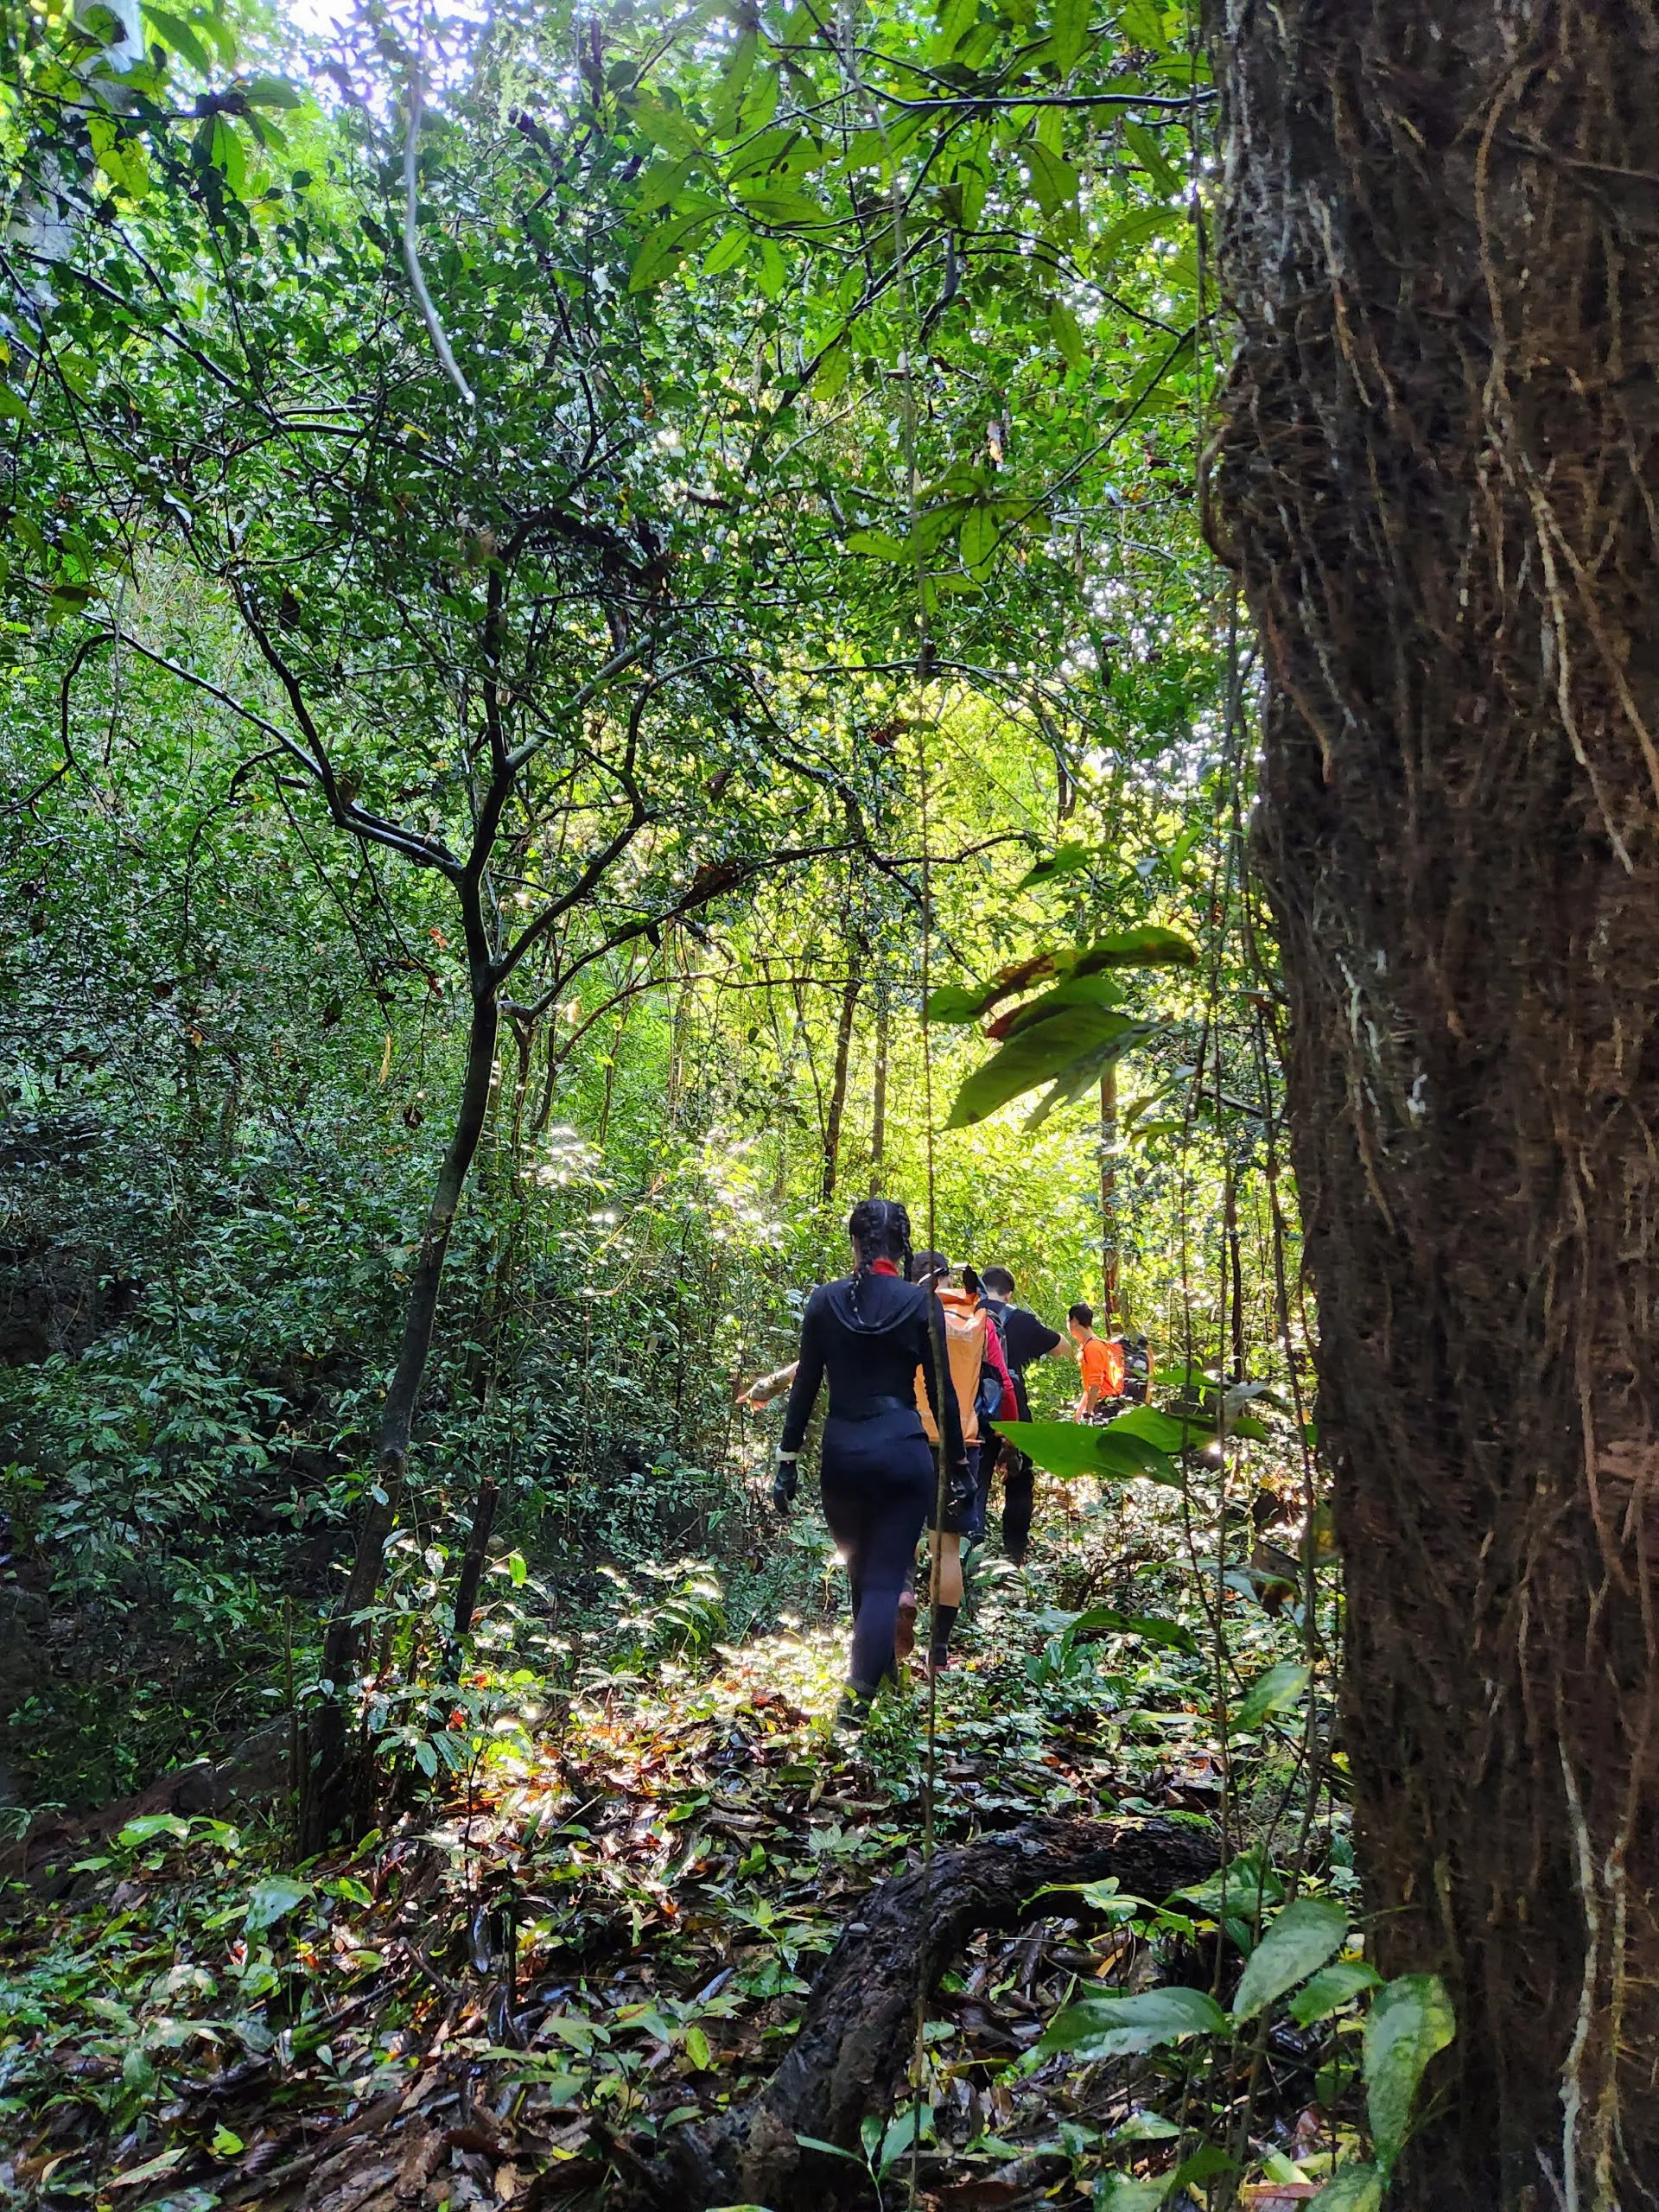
(783,1482)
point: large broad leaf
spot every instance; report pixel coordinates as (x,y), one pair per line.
(272,1900)
(1240,1889)
(1147,947)
(1069,1448)
(1117,2193)
(1131,1455)
(1165,1432)
(1119,2027)
(1086,990)
(1149,1626)
(1302,1937)
(1063,861)
(952,1002)
(1077,1041)
(1411,2020)
(1272,1692)
(1330,1989)
(1356,2189)
(659,256)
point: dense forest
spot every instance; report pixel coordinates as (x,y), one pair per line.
(625,630)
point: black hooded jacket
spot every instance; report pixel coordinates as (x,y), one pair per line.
(869,1334)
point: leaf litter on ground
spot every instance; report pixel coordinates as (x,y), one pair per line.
(608,1934)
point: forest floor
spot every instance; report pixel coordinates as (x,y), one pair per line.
(606,1931)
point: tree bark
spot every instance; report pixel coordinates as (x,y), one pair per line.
(838,1083)
(333,1787)
(851,2056)
(1437,474)
(1109,1192)
(879,1098)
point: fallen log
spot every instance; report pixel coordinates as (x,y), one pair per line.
(852,2055)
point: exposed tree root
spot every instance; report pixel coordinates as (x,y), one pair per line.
(853,2052)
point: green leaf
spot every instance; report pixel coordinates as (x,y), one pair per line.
(766,201)
(1330,1989)
(1356,2189)
(1018,976)
(1069,1448)
(1148,947)
(1074,1043)
(773,273)
(175,33)
(1165,1432)
(152,2169)
(1053,180)
(1142,23)
(226,2145)
(698,2052)
(814,2143)
(1410,2021)
(1117,2193)
(724,109)
(979,540)
(726,252)
(518,1570)
(1087,990)
(1068,35)
(1144,144)
(665,125)
(950,1002)
(1146,2127)
(957,19)
(12,408)
(1120,238)
(663,247)
(271,91)
(1119,2027)
(900,2135)
(1067,335)
(878,546)
(1242,1887)
(1064,860)
(1130,1456)
(1300,1940)
(1064,1448)
(272,1900)
(1272,1692)
(1170,1635)
(149,1826)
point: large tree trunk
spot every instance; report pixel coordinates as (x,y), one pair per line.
(1438,475)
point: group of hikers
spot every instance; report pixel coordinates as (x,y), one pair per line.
(914,1361)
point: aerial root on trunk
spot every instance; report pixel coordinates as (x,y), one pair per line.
(851,2056)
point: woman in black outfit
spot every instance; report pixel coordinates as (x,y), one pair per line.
(869,1333)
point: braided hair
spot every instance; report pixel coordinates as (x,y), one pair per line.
(880,1229)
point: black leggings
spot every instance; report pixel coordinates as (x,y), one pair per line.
(876,1479)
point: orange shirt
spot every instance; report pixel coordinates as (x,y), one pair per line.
(1102,1368)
